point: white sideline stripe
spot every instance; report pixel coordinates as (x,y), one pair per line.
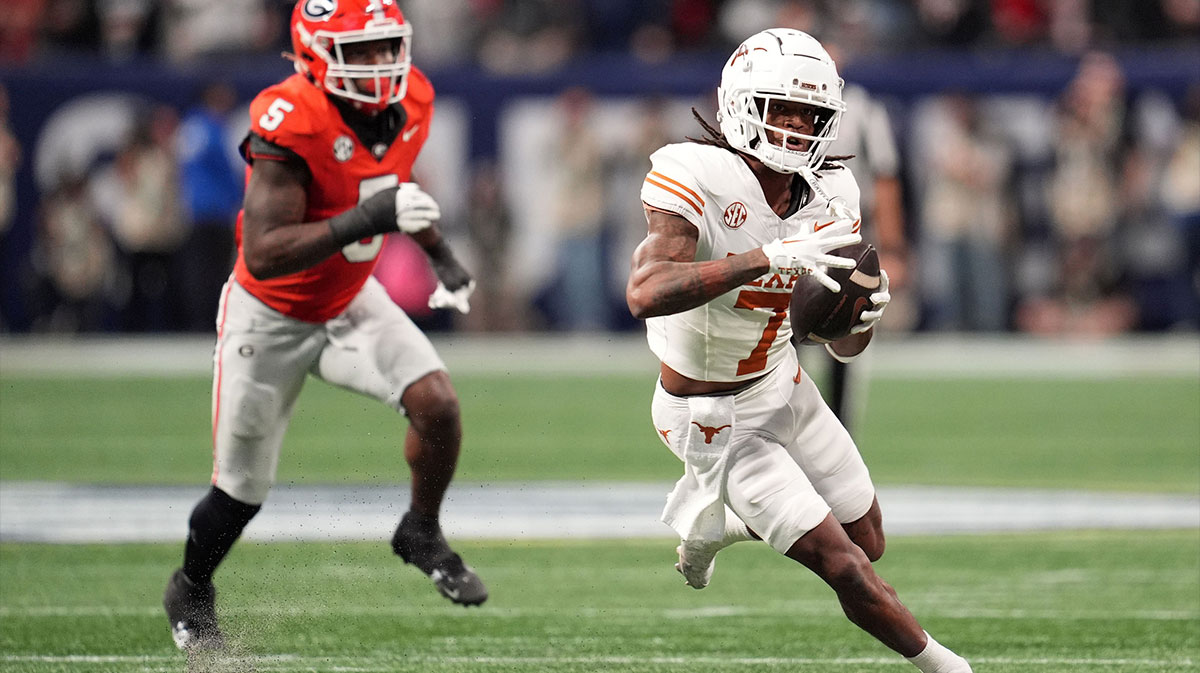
(77,513)
(366,665)
(917,356)
(929,609)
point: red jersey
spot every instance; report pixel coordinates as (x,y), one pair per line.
(299,117)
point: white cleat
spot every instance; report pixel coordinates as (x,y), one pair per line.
(696,561)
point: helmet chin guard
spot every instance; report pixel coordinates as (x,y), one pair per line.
(780,65)
(321,31)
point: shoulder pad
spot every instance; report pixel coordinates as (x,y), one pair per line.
(420,89)
(675,183)
(289,112)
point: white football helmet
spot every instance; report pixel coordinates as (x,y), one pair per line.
(779,64)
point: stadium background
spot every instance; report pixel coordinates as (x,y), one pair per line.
(524,210)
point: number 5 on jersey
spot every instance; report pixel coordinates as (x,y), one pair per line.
(275,113)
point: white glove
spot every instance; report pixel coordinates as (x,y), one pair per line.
(458,299)
(415,210)
(807,253)
(837,208)
(879,301)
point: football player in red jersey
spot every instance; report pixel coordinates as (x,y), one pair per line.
(330,154)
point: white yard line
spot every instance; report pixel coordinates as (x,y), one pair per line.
(288,662)
(66,513)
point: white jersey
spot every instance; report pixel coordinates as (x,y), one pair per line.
(745,332)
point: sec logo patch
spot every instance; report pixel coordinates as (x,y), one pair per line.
(343,148)
(735,215)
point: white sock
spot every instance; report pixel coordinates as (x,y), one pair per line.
(736,530)
(936,658)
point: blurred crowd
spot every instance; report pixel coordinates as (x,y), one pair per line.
(532,35)
(1072,213)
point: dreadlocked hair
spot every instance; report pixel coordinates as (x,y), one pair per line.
(711,135)
(714,137)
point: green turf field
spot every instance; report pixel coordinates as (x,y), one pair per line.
(1137,434)
(1071,602)
(1040,603)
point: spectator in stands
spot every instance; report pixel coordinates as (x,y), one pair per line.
(524,36)
(1180,192)
(73,262)
(191,29)
(490,226)
(448,30)
(19,30)
(577,298)
(953,22)
(1090,142)
(1152,245)
(626,166)
(148,222)
(10,160)
(69,27)
(966,220)
(127,28)
(212,194)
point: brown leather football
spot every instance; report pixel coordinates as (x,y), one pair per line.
(820,316)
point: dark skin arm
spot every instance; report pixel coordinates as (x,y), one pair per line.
(666,279)
(444,264)
(276,242)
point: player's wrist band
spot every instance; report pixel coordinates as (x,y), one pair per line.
(376,215)
(350,226)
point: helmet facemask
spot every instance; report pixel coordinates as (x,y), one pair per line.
(780,155)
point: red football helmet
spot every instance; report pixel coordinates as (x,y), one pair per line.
(321,29)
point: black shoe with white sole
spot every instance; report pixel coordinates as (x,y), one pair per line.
(191,610)
(419,541)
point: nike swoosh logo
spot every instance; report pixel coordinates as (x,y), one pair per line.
(818,227)
(452,593)
(409,133)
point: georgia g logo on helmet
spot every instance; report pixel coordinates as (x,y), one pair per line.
(319,10)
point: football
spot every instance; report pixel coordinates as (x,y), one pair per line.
(820,316)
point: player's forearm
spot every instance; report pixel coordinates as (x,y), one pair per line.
(445,265)
(431,241)
(667,287)
(281,250)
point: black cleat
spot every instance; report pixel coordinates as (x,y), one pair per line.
(191,610)
(419,541)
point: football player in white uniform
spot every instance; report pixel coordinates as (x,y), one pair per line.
(734,219)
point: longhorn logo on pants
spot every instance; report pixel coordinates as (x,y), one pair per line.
(709,433)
